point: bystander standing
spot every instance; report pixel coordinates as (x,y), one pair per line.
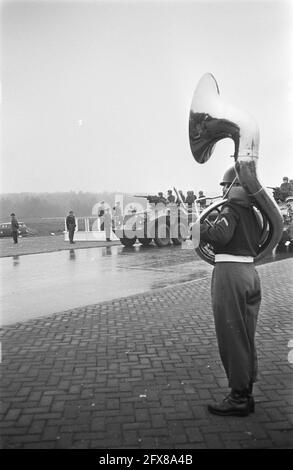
(14,227)
(70,225)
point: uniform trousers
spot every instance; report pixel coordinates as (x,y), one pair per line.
(236,298)
(71,231)
(15,236)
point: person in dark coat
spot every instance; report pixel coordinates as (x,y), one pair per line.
(70,225)
(190,202)
(190,198)
(170,197)
(202,200)
(101,214)
(236,294)
(286,189)
(161,199)
(14,227)
(108,224)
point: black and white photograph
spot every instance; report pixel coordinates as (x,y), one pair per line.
(146,228)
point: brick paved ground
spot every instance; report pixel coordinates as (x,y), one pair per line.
(138,372)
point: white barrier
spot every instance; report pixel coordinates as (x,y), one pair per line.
(90,235)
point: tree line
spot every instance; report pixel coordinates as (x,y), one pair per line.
(58,204)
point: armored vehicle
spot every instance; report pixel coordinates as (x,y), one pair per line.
(160,222)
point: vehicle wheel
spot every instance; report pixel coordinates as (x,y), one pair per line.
(145,241)
(128,241)
(177,241)
(163,241)
(181,233)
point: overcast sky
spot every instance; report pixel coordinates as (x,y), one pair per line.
(96,95)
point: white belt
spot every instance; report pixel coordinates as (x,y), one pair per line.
(222,258)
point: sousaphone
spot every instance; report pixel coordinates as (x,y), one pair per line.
(212,120)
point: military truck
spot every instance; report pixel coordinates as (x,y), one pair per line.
(160,222)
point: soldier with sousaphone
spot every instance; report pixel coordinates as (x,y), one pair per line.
(248,226)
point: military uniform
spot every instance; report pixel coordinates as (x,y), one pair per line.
(70,225)
(14,228)
(236,290)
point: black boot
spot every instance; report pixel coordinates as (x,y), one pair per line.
(235,404)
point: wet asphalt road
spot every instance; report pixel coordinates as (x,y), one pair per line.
(42,284)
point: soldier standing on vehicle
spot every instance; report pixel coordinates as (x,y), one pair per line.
(161,199)
(170,197)
(286,189)
(14,227)
(190,198)
(190,201)
(202,200)
(70,225)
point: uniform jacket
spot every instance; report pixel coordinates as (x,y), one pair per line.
(14,224)
(237,230)
(190,198)
(287,189)
(171,198)
(70,222)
